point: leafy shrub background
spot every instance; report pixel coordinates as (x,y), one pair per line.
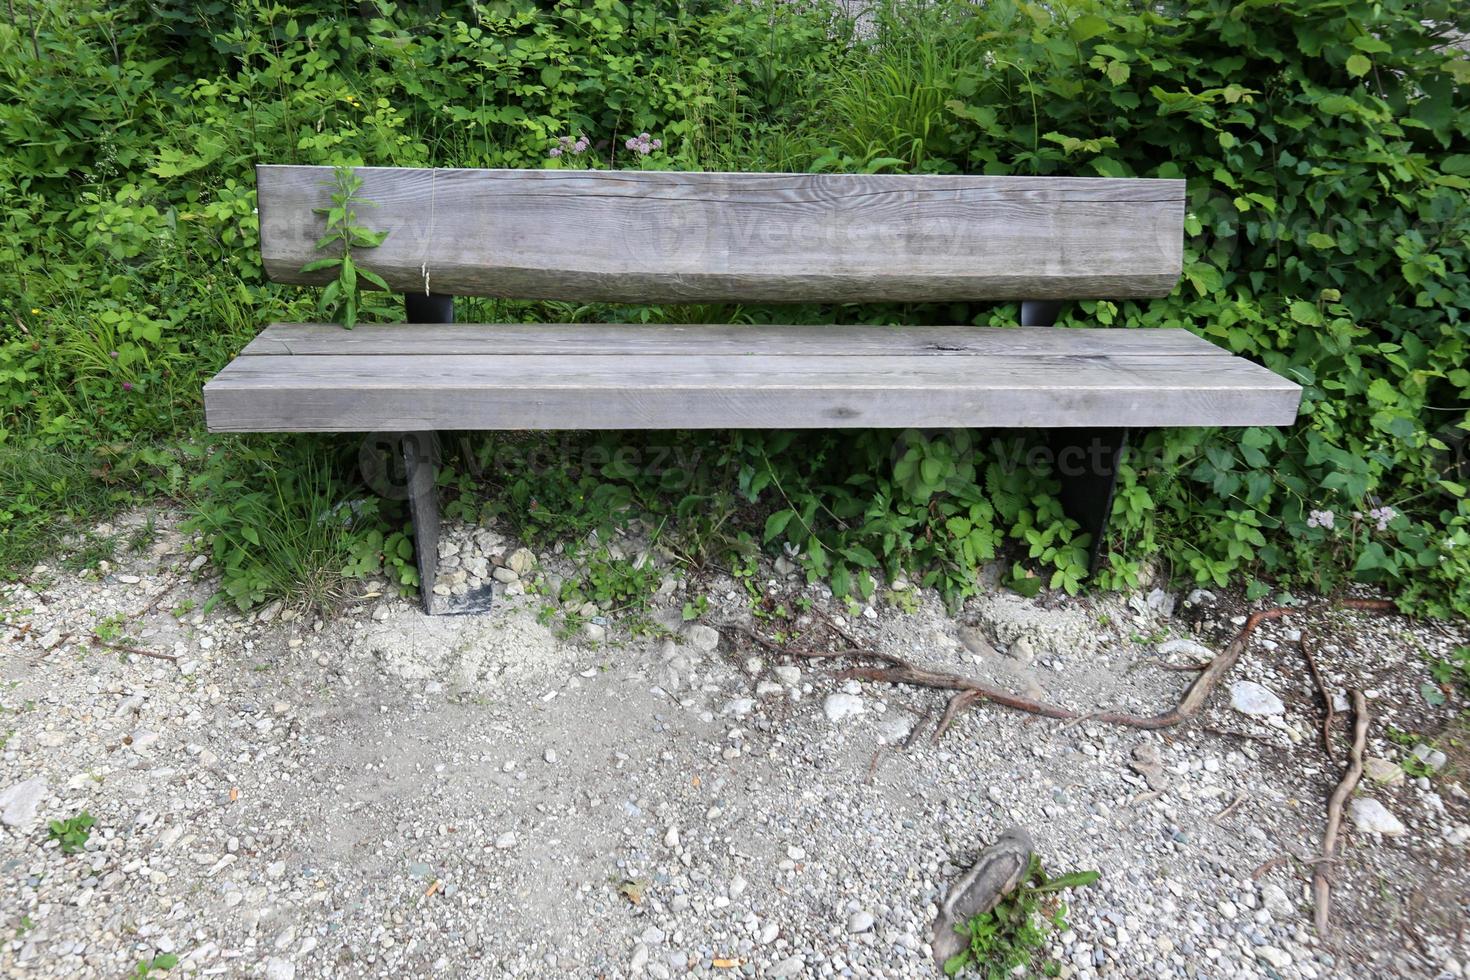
(1326,144)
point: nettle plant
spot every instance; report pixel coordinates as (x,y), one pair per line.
(342,298)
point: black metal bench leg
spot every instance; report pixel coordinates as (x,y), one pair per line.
(419,459)
(1085,460)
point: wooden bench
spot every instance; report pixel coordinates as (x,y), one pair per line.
(646,237)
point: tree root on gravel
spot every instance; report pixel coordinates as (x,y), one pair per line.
(1322,872)
(1329,711)
(970,691)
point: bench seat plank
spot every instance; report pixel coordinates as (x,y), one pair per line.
(402,387)
(788,339)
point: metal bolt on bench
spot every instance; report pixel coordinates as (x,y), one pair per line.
(650,237)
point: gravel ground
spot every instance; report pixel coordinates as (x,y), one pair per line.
(377,793)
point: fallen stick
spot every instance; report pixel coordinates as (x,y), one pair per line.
(1329,712)
(124,648)
(1239,799)
(1322,872)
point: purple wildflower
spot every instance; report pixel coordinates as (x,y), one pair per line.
(1321,518)
(127,386)
(643,144)
(1383,515)
(112,354)
(566,144)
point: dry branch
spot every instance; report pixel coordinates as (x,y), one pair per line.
(1322,872)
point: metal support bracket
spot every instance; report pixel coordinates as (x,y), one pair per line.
(1085,460)
(420,454)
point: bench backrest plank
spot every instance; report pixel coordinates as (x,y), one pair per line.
(649,237)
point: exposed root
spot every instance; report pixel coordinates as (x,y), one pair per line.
(971,691)
(1329,711)
(1322,872)
(1189,705)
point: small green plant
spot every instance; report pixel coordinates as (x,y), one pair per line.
(1454,673)
(342,298)
(161,963)
(1011,936)
(72,832)
(109,629)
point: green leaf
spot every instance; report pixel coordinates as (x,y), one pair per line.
(1087,26)
(1358,66)
(1076,879)
(776,524)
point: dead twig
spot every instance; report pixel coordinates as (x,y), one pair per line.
(914,732)
(124,648)
(1239,799)
(1322,873)
(1329,711)
(1269,865)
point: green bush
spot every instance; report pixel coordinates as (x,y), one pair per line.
(1326,144)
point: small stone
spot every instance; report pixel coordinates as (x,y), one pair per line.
(207,759)
(860,921)
(789,967)
(1274,898)
(279,968)
(142,739)
(738,707)
(1370,815)
(1160,603)
(705,639)
(1431,758)
(20,803)
(550,756)
(129,579)
(504,575)
(976,642)
(521,561)
(594,632)
(1383,771)
(505,841)
(839,707)
(1278,958)
(790,676)
(275,870)
(768,933)
(639,963)
(189,668)
(671,837)
(1250,698)
(1022,651)
(1191,649)
(769,689)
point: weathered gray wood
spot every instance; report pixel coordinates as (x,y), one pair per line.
(331,393)
(508,339)
(632,236)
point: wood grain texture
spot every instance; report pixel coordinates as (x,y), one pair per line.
(651,237)
(604,339)
(365,392)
